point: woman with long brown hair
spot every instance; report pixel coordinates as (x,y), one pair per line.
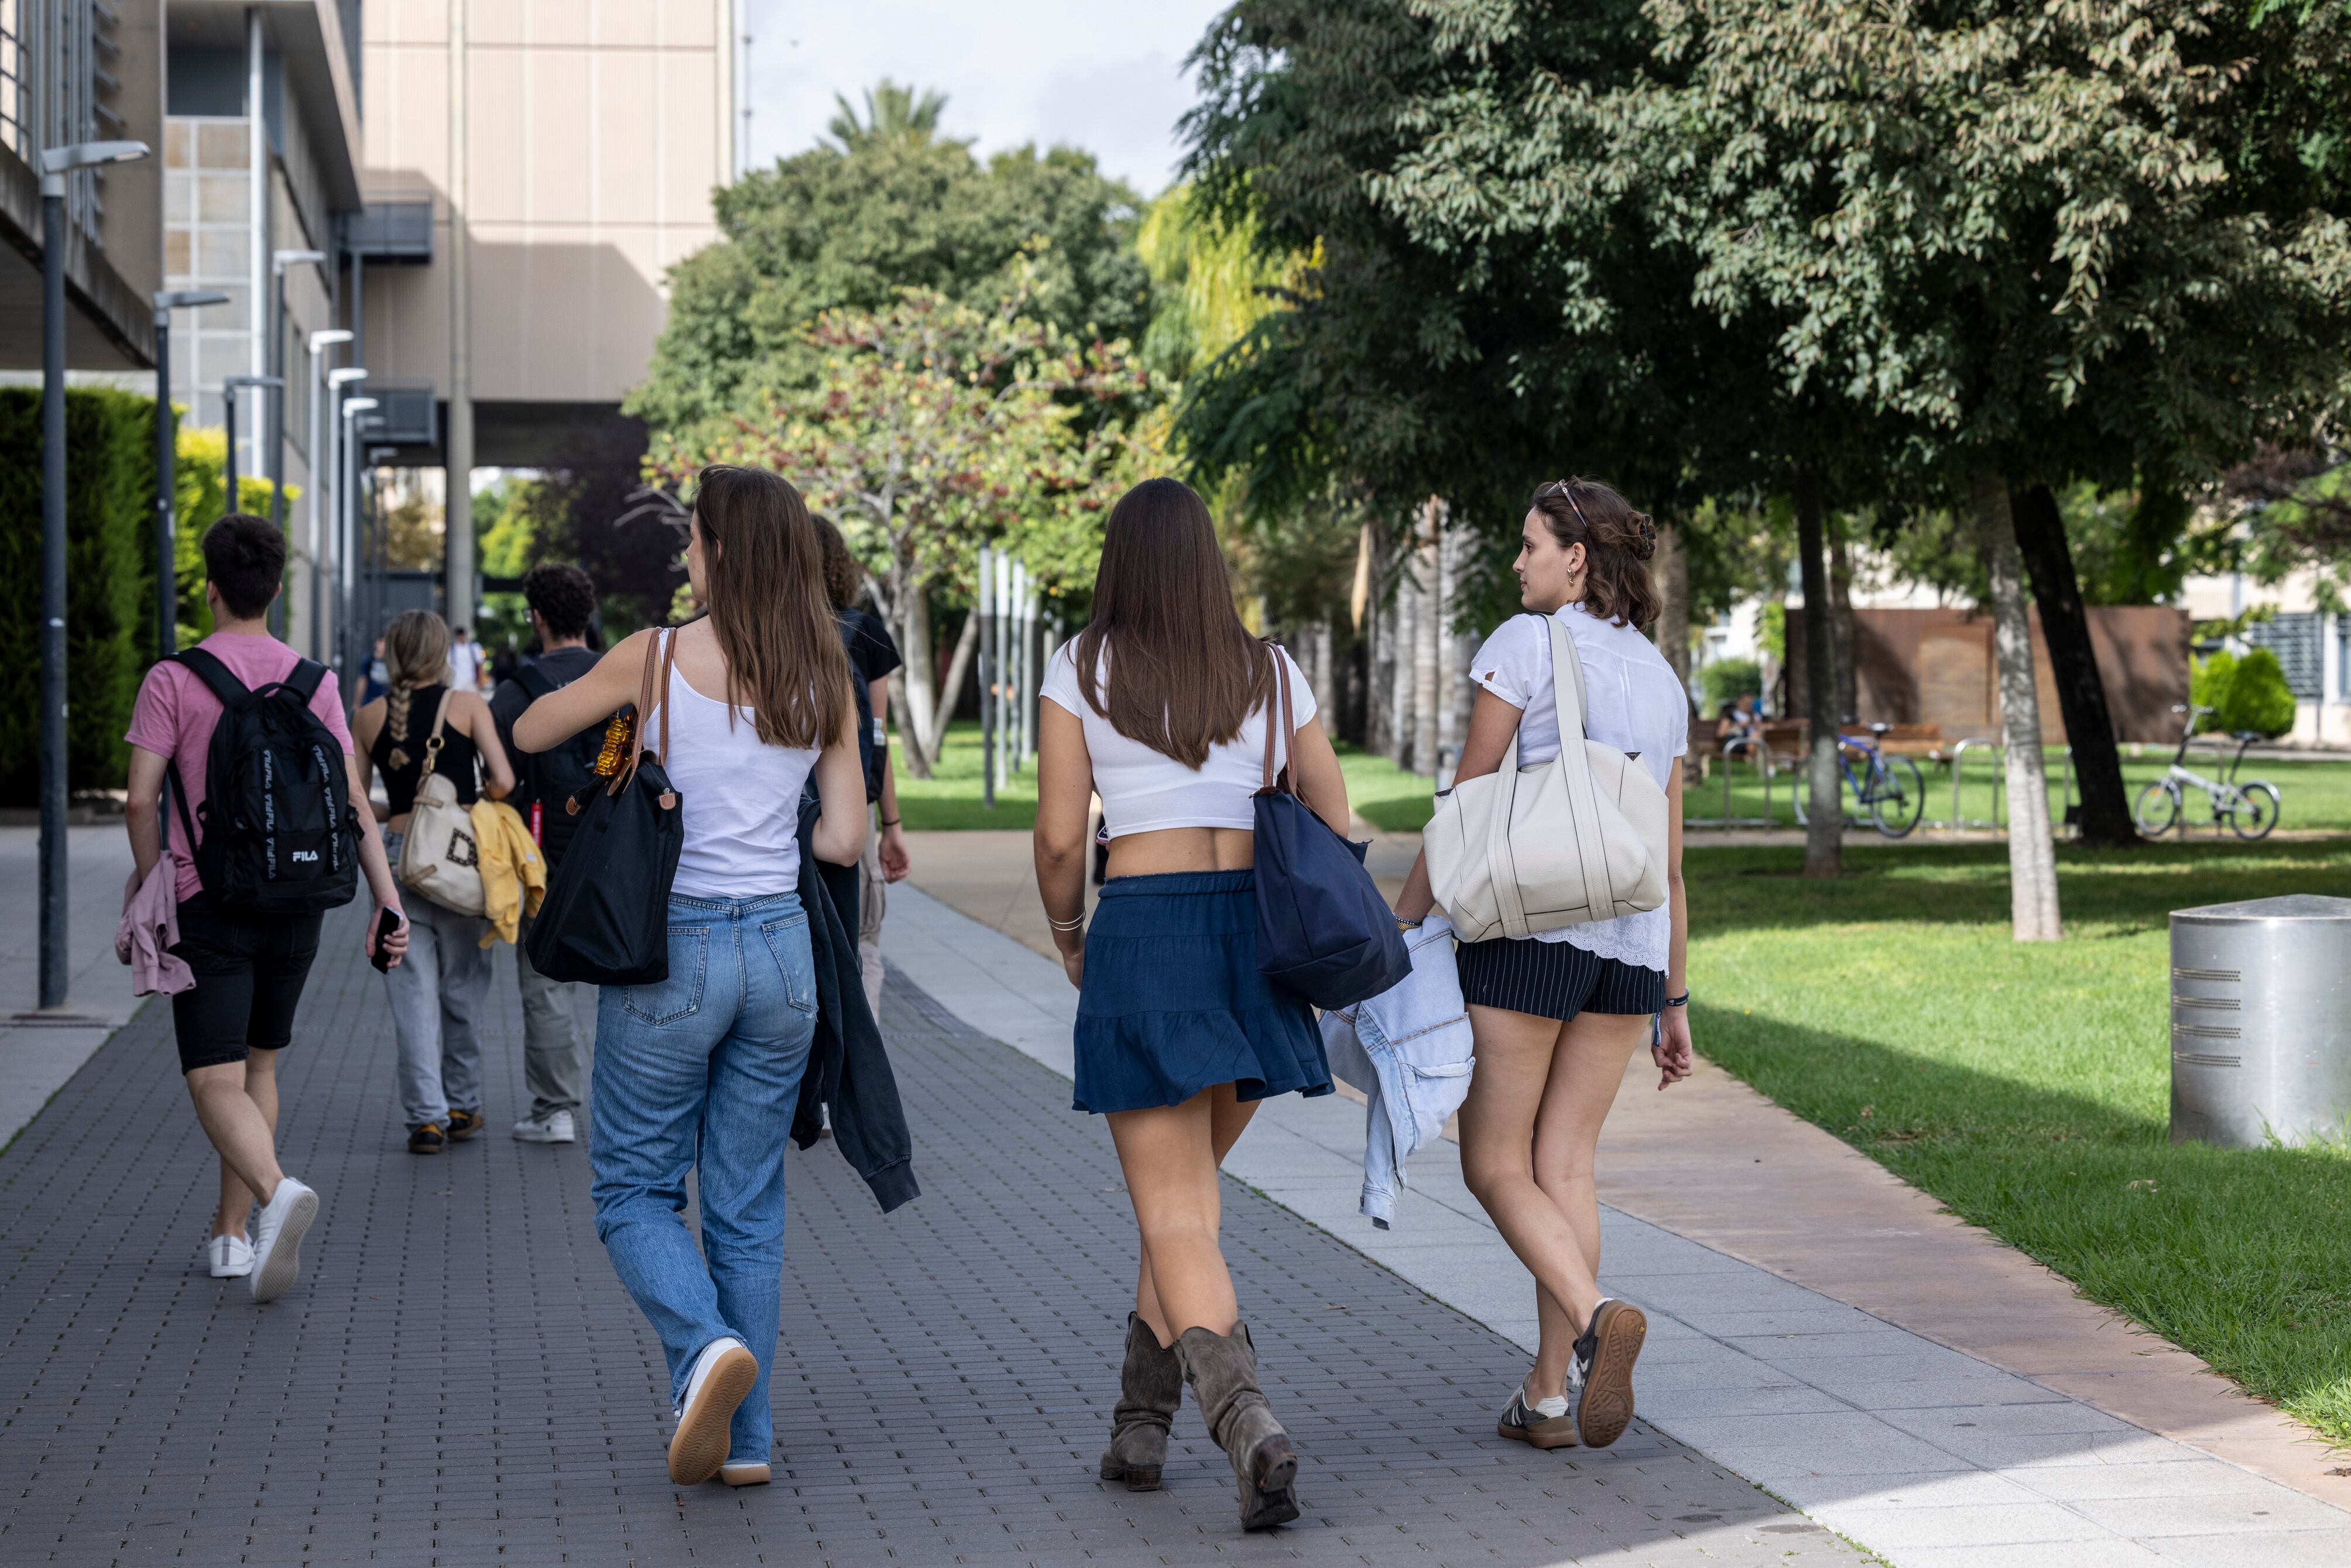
(701,1072)
(1557,1015)
(1161,704)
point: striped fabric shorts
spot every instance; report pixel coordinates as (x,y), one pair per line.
(1554,979)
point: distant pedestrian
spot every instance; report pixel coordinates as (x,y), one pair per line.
(1556,1015)
(561,599)
(699,1074)
(465,662)
(249,966)
(874,656)
(1162,704)
(376,682)
(437,997)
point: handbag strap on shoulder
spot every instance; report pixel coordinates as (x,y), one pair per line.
(1575,763)
(433,742)
(645,699)
(1281,780)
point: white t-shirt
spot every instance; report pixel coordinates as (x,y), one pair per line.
(741,798)
(464,664)
(1143,790)
(1635,703)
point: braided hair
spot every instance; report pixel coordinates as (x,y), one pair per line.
(415,653)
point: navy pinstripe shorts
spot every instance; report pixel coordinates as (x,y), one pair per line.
(1554,979)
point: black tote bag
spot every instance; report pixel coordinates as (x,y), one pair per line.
(605,919)
(1323,929)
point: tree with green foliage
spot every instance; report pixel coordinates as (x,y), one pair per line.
(2247,694)
(886,203)
(935,428)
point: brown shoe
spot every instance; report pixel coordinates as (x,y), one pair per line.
(464,1124)
(1222,1371)
(1600,1380)
(1150,1392)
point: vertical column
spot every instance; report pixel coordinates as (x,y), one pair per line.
(256,305)
(459,487)
(983,605)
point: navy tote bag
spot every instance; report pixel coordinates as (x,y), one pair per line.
(1323,929)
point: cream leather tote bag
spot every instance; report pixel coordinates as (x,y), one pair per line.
(440,858)
(1580,837)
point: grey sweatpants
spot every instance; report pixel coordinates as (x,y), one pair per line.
(550,1042)
(437,993)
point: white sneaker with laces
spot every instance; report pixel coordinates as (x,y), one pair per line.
(228,1256)
(277,1233)
(723,1374)
(555,1127)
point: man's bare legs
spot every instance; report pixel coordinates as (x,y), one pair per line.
(237,1101)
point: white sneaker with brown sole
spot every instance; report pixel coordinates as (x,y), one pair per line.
(747,1474)
(723,1374)
(1600,1378)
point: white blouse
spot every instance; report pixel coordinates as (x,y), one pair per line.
(1144,790)
(1635,703)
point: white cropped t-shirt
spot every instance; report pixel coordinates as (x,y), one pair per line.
(740,797)
(1144,790)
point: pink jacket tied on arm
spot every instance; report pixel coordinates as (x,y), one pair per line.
(149,930)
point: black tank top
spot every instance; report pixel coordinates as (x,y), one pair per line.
(455,763)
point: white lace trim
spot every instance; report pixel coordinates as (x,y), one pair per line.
(1641,940)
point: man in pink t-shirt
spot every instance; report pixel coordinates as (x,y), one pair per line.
(249,967)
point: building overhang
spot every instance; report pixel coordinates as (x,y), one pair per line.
(107,325)
(318,62)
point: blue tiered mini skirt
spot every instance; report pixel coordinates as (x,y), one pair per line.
(1173,1002)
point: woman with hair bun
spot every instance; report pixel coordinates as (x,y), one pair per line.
(1557,1015)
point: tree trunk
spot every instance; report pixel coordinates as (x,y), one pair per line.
(1824,831)
(1450,720)
(1670,569)
(1848,680)
(2081,692)
(908,611)
(2031,850)
(1428,636)
(1403,651)
(958,666)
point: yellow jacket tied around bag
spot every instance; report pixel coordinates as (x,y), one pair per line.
(514,873)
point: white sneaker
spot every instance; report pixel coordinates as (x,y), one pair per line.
(555,1127)
(278,1238)
(723,1374)
(229,1256)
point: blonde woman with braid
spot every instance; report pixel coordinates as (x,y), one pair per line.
(437,993)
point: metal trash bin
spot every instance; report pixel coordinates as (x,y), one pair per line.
(2261,1020)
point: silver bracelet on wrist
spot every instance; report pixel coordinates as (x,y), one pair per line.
(1070,925)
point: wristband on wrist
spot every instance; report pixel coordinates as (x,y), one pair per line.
(892,822)
(1681,1001)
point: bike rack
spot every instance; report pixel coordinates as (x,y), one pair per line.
(1958,761)
(1730,748)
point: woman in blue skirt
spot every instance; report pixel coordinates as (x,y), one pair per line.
(1160,707)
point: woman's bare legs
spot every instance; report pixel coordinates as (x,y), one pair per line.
(1228,1117)
(1528,1131)
(1170,1155)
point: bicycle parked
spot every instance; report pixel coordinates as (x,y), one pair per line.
(2251,807)
(1890,790)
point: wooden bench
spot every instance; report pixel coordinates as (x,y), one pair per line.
(1786,742)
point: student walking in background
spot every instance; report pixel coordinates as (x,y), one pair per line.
(873,658)
(1557,1014)
(1161,704)
(700,1074)
(249,965)
(422,725)
(561,601)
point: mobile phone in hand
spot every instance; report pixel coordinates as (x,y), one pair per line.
(386,922)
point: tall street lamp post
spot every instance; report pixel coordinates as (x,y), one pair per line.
(55,164)
(349,483)
(321,470)
(346,540)
(167,595)
(230,387)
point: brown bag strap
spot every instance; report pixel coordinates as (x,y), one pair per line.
(669,665)
(628,770)
(433,742)
(1289,726)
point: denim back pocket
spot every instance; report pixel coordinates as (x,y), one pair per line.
(788,942)
(680,995)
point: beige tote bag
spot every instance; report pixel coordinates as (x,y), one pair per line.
(1580,837)
(440,858)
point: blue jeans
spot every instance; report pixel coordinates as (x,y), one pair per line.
(703,1071)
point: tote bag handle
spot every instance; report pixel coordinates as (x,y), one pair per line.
(660,654)
(1581,788)
(1281,781)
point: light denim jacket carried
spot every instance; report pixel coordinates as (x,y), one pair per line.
(1408,1049)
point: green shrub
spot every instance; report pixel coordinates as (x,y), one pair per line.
(1727,679)
(109,500)
(2248,692)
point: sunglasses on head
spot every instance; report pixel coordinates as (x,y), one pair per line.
(1561,487)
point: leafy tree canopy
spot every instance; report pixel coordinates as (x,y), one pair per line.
(886,204)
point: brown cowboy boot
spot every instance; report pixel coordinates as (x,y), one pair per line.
(1150,1392)
(1222,1371)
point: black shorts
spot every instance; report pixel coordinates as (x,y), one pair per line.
(249,970)
(1554,979)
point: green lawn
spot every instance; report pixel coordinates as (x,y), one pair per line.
(2028,1086)
(952,798)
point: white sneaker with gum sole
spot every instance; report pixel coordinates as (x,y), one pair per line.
(723,1374)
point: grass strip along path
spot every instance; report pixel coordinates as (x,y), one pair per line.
(2028,1086)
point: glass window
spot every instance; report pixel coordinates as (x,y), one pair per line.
(2295,639)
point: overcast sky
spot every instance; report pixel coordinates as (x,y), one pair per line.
(1105,75)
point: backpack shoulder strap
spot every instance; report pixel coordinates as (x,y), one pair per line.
(306,678)
(214,675)
(177,788)
(536,682)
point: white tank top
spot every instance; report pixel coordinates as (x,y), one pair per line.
(741,798)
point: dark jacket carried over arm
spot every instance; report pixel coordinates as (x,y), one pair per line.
(849,1071)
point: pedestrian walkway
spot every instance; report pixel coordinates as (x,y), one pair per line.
(458,1379)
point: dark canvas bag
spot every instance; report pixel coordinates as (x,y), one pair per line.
(605,920)
(1323,929)
(280,836)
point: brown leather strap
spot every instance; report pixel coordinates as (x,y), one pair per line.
(1267,782)
(628,770)
(1288,728)
(669,662)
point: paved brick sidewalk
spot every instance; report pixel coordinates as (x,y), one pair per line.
(459,1379)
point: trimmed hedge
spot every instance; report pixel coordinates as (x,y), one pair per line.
(109,500)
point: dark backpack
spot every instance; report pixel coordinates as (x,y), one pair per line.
(870,752)
(558,775)
(279,834)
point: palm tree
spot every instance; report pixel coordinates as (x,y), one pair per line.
(892,113)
